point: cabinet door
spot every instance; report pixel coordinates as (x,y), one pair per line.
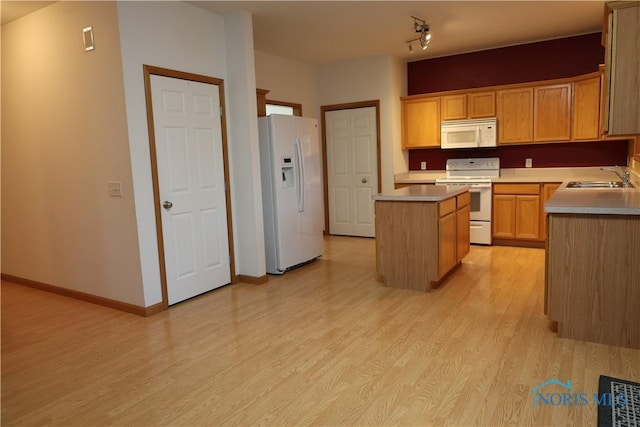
(504,216)
(552,113)
(623,69)
(421,122)
(547,190)
(463,232)
(481,104)
(454,107)
(515,115)
(527,217)
(586,109)
(447,243)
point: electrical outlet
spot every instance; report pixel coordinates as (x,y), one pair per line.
(528,163)
(423,166)
(115,189)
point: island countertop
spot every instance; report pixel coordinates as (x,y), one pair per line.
(422,193)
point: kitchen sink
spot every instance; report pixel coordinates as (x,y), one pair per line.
(596,184)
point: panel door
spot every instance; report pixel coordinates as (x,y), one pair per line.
(504,216)
(515,115)
(527,217)
(552,113)
(586,109)
(352,170)
(190,171)
(454,107)
(421,122)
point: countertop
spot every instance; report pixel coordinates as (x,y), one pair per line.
(608,201)
(517,175)
(422,193)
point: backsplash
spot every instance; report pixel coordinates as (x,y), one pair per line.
(569,154)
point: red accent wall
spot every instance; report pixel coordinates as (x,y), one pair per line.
(552,59)
(604,153)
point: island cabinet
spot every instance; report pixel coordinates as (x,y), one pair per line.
(592,287)
(422,234)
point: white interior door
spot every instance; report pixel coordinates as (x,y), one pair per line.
(352,170)
(190,168)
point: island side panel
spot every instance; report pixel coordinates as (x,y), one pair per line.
(594,277)
(407,244)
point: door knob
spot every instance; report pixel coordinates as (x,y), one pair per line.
(167,204)
(364,180)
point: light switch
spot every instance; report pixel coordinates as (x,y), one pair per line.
(528,163)
(115,189)
(423,166)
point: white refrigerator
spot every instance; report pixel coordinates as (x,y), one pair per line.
(291,191)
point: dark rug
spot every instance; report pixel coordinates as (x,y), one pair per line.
(619,404)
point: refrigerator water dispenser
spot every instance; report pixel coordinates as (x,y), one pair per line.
(287,173)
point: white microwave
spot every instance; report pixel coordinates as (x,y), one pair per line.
(469,133)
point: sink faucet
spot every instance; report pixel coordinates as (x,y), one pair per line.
(622,172)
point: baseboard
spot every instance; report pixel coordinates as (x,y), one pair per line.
(105,302)
(253,279)
(519,243)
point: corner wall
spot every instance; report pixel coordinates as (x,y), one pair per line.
(64,137)
(367,79)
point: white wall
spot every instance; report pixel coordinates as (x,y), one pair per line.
(288,80)
(242,116)
(182,37)
(64,137)
(381,78)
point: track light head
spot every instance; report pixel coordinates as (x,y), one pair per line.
(420,26)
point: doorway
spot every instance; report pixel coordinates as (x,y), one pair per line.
(351,162)
(188,148)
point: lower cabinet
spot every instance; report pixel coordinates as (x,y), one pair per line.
(516,212)
(419,242)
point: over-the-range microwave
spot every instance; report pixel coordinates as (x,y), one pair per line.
(474,133)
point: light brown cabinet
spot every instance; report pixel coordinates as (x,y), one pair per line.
(586,109)
(552,113)
(621,115)
(547,191)
(419,243)
(514,110)
(481,104)
(516,211)
(447,236)
(474,105)
(421,122)
(463,228)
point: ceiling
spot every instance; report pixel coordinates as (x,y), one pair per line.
(321,32)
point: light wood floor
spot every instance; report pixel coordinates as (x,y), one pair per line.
(322,345)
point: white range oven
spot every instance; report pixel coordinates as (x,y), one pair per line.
(477,174)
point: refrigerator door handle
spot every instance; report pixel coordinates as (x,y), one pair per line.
(300,172)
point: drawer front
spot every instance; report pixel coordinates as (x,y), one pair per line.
(516,188)
(463,200)
(447,206)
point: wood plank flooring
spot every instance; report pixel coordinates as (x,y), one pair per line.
(322,345)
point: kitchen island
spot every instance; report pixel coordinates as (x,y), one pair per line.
(422,234)
(592,287)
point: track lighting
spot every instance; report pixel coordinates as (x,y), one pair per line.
(420,26)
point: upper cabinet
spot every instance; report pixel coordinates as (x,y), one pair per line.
(454,107)
(515,115)
(586,108)
(621,115)
(473,105)
(482,104)
(421,122)
(552,113)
